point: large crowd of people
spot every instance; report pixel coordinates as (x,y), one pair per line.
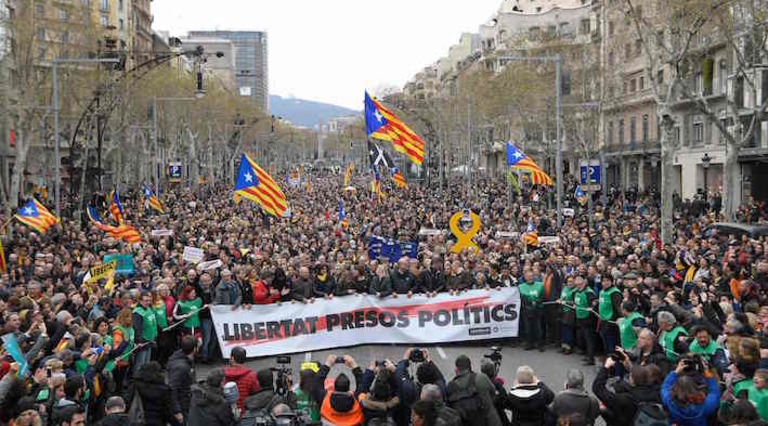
(677,330)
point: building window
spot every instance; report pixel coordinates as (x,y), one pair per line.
(65,37)
(642,83)
(104,5)
(621,131)
(104,20)
(610,57)
(723,76)
(645,127)
(660,77)
(585,26)
(632,86)
(625,87)
(638,47)
(610,133)
(86,17)
(698,129)
(633,130)
(611,27)
(40,34)
(39,10)
(724,124)
(120,5)
(121,24)
(627,51)
(63,15)
(86,3)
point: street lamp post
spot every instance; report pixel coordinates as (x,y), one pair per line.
(156,173)
(57,160)
(558,60)
(706,161)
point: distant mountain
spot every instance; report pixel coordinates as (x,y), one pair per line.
(306,113)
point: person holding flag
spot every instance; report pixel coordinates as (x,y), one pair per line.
(516,159)
(342,217)
(152,201)
(115,207)
(36,216)
(258,186)
(580,196)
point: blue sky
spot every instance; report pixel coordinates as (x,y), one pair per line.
(332,50)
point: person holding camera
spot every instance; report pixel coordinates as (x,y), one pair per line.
(340,406)
(529,398)
(622,404)
(683,397)
(267,396)
(379,394)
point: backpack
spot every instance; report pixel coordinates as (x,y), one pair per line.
(467,402)
(650,414)
(260,417)
(257,418)
(136,411)
(447,416)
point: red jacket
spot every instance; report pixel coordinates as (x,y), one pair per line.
(261,294)
(244,378)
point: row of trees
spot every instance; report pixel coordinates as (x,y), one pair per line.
(106,127)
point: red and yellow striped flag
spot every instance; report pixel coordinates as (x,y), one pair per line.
(382,124)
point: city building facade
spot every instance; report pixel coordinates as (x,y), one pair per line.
(251,62)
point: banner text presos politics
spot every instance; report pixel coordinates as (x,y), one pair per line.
(370,318)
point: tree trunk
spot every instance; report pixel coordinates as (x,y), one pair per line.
(84,161)
(668,149)
(731,179)
(194,167)
(22,148)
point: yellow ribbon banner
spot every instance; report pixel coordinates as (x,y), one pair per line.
(464,239)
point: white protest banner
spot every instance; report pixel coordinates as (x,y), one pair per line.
(507,234)
(365,319)
(162,233)
(569,212)
(211,264)
(549,239)
(192,254)
(430,232)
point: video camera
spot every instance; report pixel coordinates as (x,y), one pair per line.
(284,372)
(694,364)
(494,355)
(417,356)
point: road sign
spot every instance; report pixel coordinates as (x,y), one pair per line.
(174,171)
(590,172)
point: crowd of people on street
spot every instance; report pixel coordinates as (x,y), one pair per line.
(678,330)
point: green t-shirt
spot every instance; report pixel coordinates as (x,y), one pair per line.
(627,332)
(605,304)
(162,320)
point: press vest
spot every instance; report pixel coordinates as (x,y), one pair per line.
(127,337)
(668,339)
(706,351)
(582,302)
(532,292)
(627,332)
(605,305)
(148,324)
(188,306)
(567,296)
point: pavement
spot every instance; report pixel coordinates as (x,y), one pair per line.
(550,366)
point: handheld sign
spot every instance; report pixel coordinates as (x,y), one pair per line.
(192,254)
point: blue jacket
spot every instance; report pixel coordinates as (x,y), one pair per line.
(693,414)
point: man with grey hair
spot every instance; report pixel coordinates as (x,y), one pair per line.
(575,400)
(446,416)
(673,337)
(115,410)
(529,398)
(646,351)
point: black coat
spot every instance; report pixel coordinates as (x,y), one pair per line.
(529,404)
(114,420)
(624,402)
(572,401)
(159,407)
(209,408)
(181,377)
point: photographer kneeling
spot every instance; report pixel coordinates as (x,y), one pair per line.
(683,396)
